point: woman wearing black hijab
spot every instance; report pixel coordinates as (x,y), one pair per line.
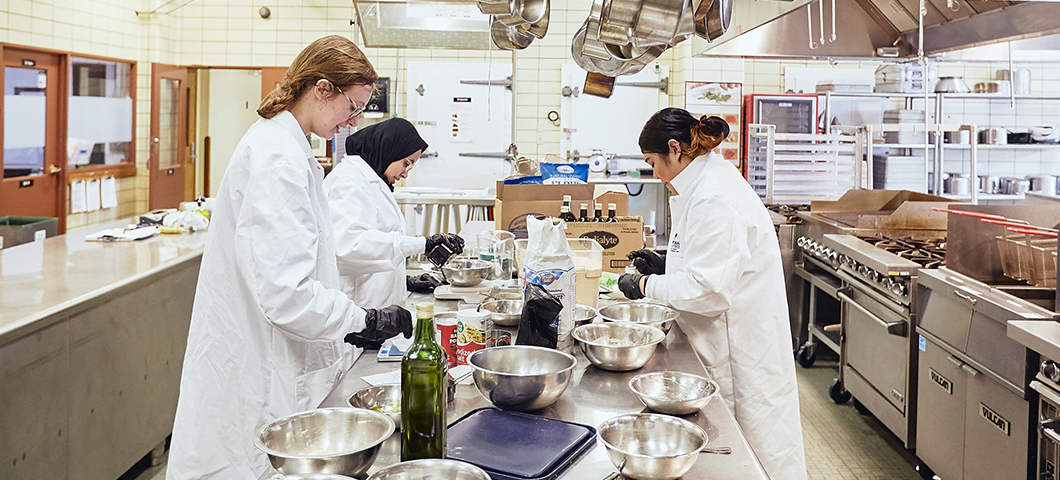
(369,228)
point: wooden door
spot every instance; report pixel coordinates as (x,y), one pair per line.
(33,133)
(169,134)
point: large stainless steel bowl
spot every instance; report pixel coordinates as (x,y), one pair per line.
(504,312)
(431,469)
(466,271)
(385,399)
(583,314)
(618,346)
(659,316)
(327,440)
(675,393)
(521,377)
(651,447)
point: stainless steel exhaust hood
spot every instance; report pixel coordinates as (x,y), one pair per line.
(863,27)
(400,24)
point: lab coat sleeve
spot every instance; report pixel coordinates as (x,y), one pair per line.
(714,247)
(277,227)
(359,247)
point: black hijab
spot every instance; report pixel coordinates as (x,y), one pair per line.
(384,143)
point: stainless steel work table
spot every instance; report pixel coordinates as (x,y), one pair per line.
(592,397)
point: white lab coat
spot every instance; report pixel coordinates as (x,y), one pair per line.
(268,323)
(723,273)
(370,238)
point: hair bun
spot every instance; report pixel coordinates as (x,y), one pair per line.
(714,126)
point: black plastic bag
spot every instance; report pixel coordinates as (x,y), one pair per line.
(540,318)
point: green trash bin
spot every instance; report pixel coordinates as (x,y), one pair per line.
(19,230)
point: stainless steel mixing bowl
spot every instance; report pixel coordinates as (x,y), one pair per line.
(504,312)
(385,399)
(583,314)
(466,271)
(327,440)
(521,377)
(651,447)
(676,393)
(431,469)
(659,316)
(618,346)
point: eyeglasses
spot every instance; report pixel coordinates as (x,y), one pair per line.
(356,110)
(409,164)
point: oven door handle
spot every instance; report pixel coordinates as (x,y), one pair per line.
(899,329)
(1045,427)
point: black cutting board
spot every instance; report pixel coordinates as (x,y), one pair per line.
(516,445)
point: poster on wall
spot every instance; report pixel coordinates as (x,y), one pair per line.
(722,100)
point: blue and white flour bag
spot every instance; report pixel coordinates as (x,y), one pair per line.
(549,263)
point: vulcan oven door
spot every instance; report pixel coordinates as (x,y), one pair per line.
(1048,430)
(877,344)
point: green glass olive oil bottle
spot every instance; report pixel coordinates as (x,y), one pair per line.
(423,402)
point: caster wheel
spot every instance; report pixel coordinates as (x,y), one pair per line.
(862,409)
(925,472)
(806,355)
(838,393)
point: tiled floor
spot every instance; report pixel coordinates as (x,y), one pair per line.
(840,442)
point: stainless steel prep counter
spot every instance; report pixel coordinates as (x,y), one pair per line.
(593,396)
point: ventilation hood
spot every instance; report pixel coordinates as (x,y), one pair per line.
(875,28)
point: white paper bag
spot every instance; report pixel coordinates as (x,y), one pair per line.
(549,264)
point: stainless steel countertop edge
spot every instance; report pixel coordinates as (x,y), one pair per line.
(1039,336)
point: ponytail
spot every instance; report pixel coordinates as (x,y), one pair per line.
(333,58)
(696,137)
(706,135)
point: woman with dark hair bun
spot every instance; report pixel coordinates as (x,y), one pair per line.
(722,270)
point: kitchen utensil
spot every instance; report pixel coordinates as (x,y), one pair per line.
(540,27)
(956,184)
(675,393)
(960,137)
(598,85)
(466,271)
(712,18)
(659,316)
(951,85)
(998,86)
(1021,84)
(993,136)
(327,440)
(650,446)
(618,347)
(718,450)
(312,476)
(583,315)
(663,22)
(505,313)
(616,21)
(498,7)
(515,445)
(1013,185)
(1043,183)
(987,183)
(1017,137)
(1045,134)
(509,38)
(524,12)
(593,47)
(433,468)
(385,399)
(521,377)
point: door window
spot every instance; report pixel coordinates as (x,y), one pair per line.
(169,126)
(100,116)
(25,111)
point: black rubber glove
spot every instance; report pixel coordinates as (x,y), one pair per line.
(424,283)
(629,284)
(381,324)
(452,241)
(648,261)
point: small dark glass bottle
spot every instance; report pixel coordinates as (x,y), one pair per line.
(565,215)
(598,217)
(611,212)
(584,217)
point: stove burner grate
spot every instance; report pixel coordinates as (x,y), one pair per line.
(929,253)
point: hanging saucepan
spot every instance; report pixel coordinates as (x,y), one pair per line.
(635,57)
(524,12)
(712,18)
(498,7)
(663,22)
(593,46)
(538,28)
(611,67)
(616,20)
(509,38)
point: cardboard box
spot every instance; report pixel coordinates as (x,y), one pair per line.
(618,239)
(515,202)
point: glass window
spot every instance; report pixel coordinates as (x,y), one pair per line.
(24,121)
(100,112)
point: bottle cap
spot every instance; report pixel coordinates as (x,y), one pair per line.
(425,310)
(585,206)
(611,206)
(564,209)
(566,198)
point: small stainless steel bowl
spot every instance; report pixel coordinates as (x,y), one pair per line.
(521,377)
(385,399)
(327,440)
(431,469)
(505,312)
(675,393)
(659,316)
(583,315)
(618,346)
(651,447)
(466,271)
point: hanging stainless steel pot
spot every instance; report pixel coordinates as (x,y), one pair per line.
(499,7)
(610,66)
(524,12)
(540,27)
(616,20)
(509,38)
(592,46)
(712,18)
(663,23)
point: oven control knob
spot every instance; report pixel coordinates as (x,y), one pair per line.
(833,259)
(801,242)
(898,287)
(1051,370)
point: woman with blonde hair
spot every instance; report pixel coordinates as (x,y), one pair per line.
(722,270)
(269,319)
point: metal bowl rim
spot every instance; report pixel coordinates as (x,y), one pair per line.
(666,399)
(676,314)
(381,416)
(385,386)
(496,301)
(632,325)
(600,436)
(573,361)
(430,460)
